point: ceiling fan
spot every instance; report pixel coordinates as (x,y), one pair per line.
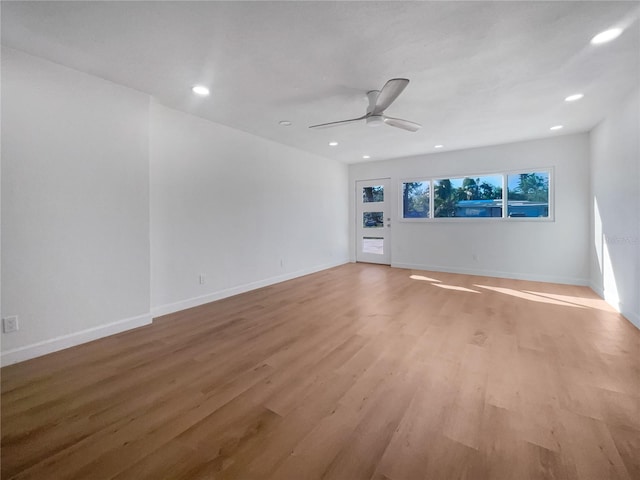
(379,101)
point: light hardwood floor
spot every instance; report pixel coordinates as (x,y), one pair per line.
(358,372)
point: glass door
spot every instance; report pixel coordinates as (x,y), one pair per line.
(373,221)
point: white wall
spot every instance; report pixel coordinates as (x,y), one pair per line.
(242,210)
(78,247)
(615,202)
(554,251)
(75,206)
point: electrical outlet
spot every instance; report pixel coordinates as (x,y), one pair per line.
(10,324)
(203,279)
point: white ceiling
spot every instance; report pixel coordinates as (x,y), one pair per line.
(481,72)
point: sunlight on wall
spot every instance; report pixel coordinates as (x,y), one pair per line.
(606,274)
(597,236)
(608,278)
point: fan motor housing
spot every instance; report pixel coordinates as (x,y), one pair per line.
(375,120)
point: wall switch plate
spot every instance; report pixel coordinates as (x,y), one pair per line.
(10,324)
(202,279)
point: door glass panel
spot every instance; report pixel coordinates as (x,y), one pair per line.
(373,194)
(372,219)
(373,245)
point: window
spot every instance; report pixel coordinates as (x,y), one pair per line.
(528,195)
(373,194)
(479,196)
(415,199)
(373,245)
(373,219)
(510,195)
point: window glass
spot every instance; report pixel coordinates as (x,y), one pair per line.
(373,194)
(372,219)
(468,197)
(415,199)
(373,245)
(528,194)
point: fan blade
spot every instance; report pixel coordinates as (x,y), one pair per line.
(404,124)
(389,93)
(341,122)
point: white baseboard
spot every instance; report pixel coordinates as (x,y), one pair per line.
(614,301)
(229,292)
(495,273)
(633,317)
(38,349)
(596,288)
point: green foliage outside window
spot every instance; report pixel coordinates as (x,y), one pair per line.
(373,194)
(532,187)
(448,192)
(415,200)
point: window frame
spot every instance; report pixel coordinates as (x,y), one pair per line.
(550,171)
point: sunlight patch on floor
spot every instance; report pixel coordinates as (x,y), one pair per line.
(455,287)
(423,278)
(584,302)
(529,296)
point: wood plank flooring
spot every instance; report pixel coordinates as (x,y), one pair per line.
(357,372)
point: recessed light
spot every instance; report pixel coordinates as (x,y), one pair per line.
(438,146)
(285,123)
(574,97)
(333,144)
(557,127)
(606,36)
(366,157)
(200,90)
